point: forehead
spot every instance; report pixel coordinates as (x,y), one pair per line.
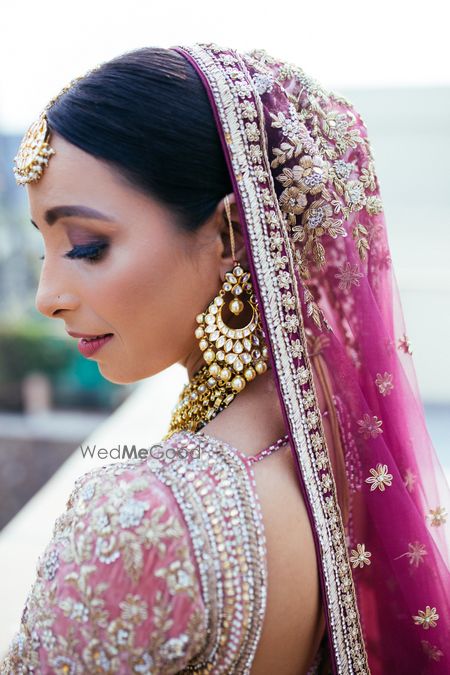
(71,173)
(74,177)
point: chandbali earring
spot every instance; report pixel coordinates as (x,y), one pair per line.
(234,354)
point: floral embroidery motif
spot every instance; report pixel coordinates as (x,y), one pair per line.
(296,348)
(415,553)
(438,516)
(133,608)
(384,383)
(404,344)
(263,83)
(296,132)
(370,427)
(89,610)
(360,556)
(322,188)
(432,651)
(348,275)
(409,480)
(135,603)
(380,478)
(426,618)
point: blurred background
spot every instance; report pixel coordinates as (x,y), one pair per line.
(392,64)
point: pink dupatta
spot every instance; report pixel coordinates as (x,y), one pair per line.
(308,195)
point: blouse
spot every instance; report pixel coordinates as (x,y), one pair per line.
(156,566)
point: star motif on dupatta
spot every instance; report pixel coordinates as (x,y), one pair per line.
(416,553)
(360,556)
(426,618)
(404,344)
(380,478)
(431,650)
(348,275)
(438,516)
(409,479)
(384,383)
(370,427)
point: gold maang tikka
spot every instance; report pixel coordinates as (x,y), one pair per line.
(233,355)
(35,151)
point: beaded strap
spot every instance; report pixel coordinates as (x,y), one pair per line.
(268,451)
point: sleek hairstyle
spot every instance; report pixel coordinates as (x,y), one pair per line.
(146,113)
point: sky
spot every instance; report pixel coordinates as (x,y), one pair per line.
(45,44)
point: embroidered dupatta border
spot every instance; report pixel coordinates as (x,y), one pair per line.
(229,87)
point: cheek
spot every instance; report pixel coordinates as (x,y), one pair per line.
(153,298)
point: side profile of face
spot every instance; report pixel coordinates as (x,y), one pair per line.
(123,266)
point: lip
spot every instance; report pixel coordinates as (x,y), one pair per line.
(83,335)
(88,348)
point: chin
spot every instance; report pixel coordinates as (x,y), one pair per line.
(122,376)
(116,377)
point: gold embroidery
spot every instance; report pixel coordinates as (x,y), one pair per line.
(360,556)
(360,235)
(111,519)
(404,344)
(438,516)
(321,171)
(268,231)
(380,478)
(431,650)
(131,505)
(426,618)
(409,479)
(370,427)
(348,275)
(384,383)
(415,553)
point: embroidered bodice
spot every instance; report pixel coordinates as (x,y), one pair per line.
(156,566)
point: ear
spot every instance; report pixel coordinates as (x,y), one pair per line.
(240,252)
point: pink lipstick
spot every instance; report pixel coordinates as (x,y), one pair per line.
(88,346)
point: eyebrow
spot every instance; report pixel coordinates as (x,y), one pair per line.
(57,212)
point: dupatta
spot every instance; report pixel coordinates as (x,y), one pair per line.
(312,217)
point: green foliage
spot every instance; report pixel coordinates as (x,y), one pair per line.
(29,346)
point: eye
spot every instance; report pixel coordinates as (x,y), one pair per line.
(91,252)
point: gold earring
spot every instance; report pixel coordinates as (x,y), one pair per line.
(235,355)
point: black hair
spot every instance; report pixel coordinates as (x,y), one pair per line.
(146,113)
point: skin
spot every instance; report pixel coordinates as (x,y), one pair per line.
(153,280)
(147,290)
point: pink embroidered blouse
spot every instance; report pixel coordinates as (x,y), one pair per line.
(156,566)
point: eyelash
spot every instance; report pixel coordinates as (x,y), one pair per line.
(90,252)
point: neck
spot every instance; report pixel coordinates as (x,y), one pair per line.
(253,420)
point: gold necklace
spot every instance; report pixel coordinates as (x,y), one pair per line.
(200,401)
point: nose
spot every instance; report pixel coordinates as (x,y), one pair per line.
(52,299)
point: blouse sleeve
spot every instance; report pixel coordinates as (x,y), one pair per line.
(117,587)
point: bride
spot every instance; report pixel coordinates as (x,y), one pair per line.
(221,210)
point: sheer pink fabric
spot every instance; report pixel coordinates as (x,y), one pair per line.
(312,214)
(369,359)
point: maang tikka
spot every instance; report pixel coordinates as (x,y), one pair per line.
(234,355)
(35,151)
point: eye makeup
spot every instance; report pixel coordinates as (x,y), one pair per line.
(92,252)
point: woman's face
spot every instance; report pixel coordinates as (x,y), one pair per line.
(128,271)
